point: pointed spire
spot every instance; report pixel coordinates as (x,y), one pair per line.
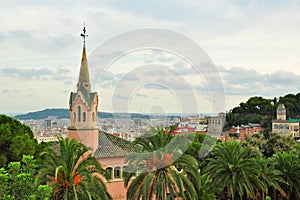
(84,69)
(84,80)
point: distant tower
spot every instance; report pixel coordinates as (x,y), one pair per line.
(281,112)
(83,107)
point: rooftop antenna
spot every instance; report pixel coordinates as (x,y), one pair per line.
(83,35)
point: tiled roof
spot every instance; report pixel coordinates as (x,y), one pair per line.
(112,146)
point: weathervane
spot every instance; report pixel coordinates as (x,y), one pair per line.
(83,35)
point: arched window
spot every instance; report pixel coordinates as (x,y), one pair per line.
(109,172)
(74,116)
(93,117)
(83,116)
(117,172)
(281,126)
(79,113)
(287,127)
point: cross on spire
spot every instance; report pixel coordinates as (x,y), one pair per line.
(83,35)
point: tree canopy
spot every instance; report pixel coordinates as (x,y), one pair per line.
(17,182)
(164,172)
(16,139)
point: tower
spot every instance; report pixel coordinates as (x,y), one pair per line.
(281,112)
(83,107)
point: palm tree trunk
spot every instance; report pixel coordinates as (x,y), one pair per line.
(165,193)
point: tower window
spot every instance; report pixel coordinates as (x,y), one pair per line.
(79,113)
(74,115)
(93,117)
(83,116)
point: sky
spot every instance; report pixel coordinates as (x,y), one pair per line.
(147,56)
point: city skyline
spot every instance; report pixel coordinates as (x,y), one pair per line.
(254,46)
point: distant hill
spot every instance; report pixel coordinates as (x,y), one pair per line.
(261,110)
(57,112)
(60,113)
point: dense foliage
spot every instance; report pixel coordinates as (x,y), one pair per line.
(192,166)
(255,168)
(261,110)
(16,139)
(17,182)
(268,144)
(260,167)
(72,172)
(164,172)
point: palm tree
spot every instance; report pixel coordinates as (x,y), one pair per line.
(72,172)
(289,164)
(271,177)
(204,187)
(234,171)
(164,172)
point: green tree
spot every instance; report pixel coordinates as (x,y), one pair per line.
(4,184)
(164,172)
(16,140)
(204,188)
(201,148)
(201,145)
(17,182)
(271,177)
(21,175)
(43,192)
(270,144)
(279,143)
(72,173)
(288,164)
(234,171)
(257,141)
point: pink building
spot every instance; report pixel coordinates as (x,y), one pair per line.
(109,150)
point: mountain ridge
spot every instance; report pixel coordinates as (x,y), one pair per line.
(61,113)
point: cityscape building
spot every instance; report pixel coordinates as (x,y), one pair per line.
(283,126)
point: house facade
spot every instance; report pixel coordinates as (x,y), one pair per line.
(283,126)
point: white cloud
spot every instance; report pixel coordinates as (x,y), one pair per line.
(257,42)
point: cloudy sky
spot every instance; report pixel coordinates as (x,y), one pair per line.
(246,48)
